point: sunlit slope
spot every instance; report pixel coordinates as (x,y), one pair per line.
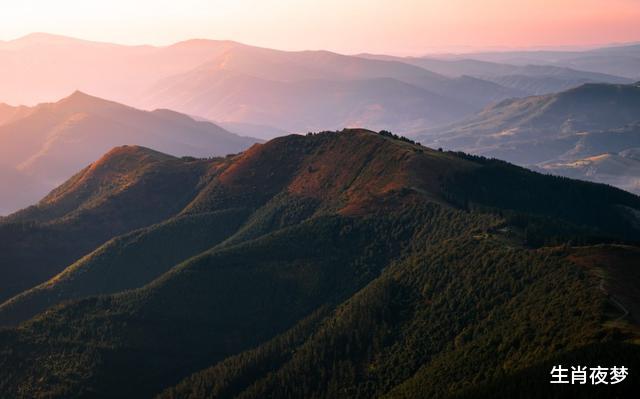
(53,141)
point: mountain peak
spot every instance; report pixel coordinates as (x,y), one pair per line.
(39,38)
(44,38)
(348,221)
(134,151)
(77,94)
(127,157)
(123,164)
(79,100)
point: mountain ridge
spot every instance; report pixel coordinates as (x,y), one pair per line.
(51,141)
(587,121)
(138,75)
(530,79)
(352,246)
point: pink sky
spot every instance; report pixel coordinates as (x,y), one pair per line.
(348,26)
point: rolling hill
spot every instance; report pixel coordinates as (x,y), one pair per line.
(52,141)
(234,83)
(588,121)
(530,79)
(9,113)
(619,170)
(226,81)
(322,89)
(339,264)
(128,188)
(107,70)
(382,102)
(620,60)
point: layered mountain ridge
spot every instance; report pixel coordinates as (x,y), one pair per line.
(128,189)
(48,143)
(547,132)
(532,78)
(224,81)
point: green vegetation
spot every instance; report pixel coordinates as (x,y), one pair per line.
(125,262)
(337,265)
(129,188)
(425,325)
(553,209)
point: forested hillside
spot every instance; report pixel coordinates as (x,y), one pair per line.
(346,264)
(128,188)
(588,132)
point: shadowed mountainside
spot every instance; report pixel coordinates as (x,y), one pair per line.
(128,188)
(348,264)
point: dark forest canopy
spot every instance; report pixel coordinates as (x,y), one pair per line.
(346,264)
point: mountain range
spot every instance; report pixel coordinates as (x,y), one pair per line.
(590,132)
(43,145)
(285,91)
(532,79)
(620,60)
(337,264)
(173,248)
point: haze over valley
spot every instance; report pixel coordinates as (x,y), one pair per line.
(46,144)
(414,199)
(264,93)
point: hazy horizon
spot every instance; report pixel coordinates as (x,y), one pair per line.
(264,69)
(435,51)
(389,199)
(408,27)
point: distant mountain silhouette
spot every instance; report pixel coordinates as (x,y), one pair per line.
(296,91)
(528,79)
(50,142)
(231,82)
(18,189)
(620,170)
(9,113)
(107,70)
(286,270)
(622,60)
(381,102)
(557,129)
(321,89)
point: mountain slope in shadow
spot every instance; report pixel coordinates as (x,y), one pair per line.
(335,264)
(128,188)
